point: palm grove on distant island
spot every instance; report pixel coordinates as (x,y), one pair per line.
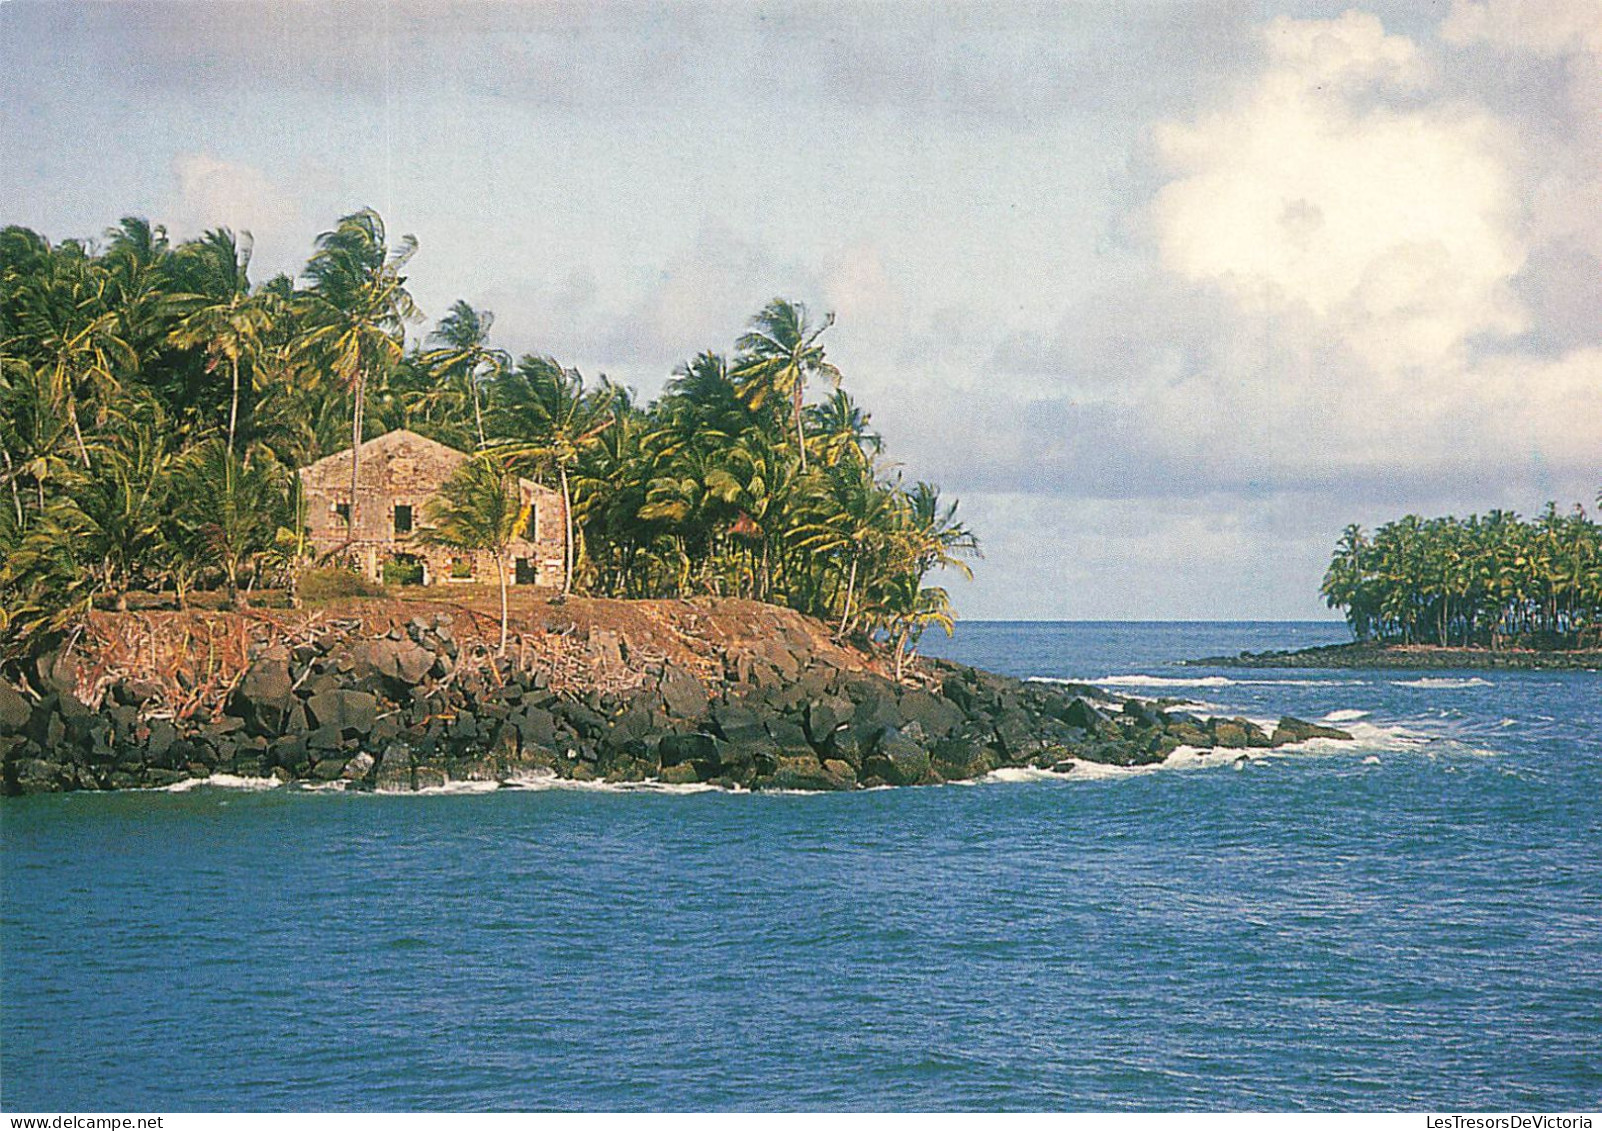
(154,406)
(1495,581)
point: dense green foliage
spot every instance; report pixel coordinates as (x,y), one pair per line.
(1492,580)
(154,405)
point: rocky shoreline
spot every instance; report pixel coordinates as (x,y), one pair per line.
(417,706)
(1410,657)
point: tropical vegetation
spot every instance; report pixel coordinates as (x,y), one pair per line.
(1492,581)
(155,404)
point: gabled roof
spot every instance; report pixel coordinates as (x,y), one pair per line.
(400,439)
(388,442)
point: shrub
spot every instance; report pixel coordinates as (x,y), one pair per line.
(330,584)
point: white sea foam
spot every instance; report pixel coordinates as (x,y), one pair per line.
(1345,716)
(222,781)
(1371,760)
(534,782)
(1443,683)
(458,787)
(1209,681)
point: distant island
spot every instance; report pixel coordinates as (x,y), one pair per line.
(1483,592)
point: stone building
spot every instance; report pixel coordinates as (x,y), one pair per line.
(400,472)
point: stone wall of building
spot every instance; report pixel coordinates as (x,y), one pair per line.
(398,474)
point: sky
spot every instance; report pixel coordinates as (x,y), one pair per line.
(1166,293)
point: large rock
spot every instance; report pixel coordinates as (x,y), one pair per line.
(876,710)
(897,760)
(535,727)
(738,723)
(14,710)
(394,774)
(1082,713)
(703,749)
(938,717)
(1291,729)
(962,757)
(1229,733)
(266,692)
(403,660)
(683,697)
(345,712)
(789,736)
(825,715)
(808,774)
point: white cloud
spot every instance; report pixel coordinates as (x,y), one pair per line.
(1544,27)
(1370,235)
(216,193)
(1397,226)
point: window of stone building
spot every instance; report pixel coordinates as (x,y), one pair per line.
(403,518)
(531,529)
(461,568)
(342,510)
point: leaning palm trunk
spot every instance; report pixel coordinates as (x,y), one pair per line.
(77,432)
(355,454)
(233,408)
(500,576)
(800,431)
(851,584)
(567,515)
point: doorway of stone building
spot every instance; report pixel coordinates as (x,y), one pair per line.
(405,569)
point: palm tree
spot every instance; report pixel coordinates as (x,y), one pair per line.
(552,421)
(844,431)
(229,508)
(356,312)
(852,516)
(781,354)
(61,317)
(222,317)
(933,536)
(906,610)
(111,518)
(462,354)
(477,509)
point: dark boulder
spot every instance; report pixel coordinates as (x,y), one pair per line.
(677,749)
(403,661)
(1082,713)
(265,692)
(136,692)
(1016,733)
(876,709)
(807,773)
(897,760)
(1292,729)
(683,697)
(738,723)
(14,710)
(1144,714)
(962,757)
(535,727)
(825,715)
(938,717)
(789,736)
(345,712)
(1228,733)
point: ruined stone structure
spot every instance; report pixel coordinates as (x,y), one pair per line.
(399,473)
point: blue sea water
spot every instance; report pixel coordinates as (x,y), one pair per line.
(1412,921)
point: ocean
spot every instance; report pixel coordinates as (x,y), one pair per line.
(1410,921)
